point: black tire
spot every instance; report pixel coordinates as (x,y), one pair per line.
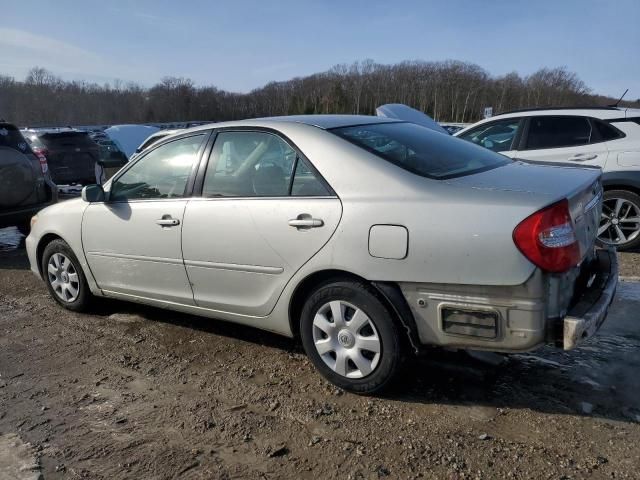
(363,297)
(632,198)
(83,299)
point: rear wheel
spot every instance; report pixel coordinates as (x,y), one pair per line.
(351,337)
(620,221)
(64,276)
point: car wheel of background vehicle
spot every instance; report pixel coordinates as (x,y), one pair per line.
(351,337)
(64,276)
(620,221)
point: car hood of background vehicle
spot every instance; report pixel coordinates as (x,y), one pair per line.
(554,181)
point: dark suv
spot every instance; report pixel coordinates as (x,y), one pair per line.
(70,153)
(25,183)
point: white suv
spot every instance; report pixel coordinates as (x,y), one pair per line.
(606,137)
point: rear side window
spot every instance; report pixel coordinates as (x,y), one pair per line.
(249,164)
(606,131)
(11,137)
(422,151)
(556,132)
(67,139)
(306,183)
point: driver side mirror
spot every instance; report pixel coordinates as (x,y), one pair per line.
(93,193)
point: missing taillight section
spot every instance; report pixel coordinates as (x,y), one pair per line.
(548,238)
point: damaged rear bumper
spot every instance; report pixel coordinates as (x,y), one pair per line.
(591,305)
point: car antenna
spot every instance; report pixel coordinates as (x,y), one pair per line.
(620,99)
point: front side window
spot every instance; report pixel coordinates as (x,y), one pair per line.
(557,132)
(422,151)
(249,164)
(496,136)
(162,173)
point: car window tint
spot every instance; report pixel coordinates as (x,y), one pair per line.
(11,137)
(306,183)
(555,132)
(162,173)
(249,164)
(422,151)
(496,136)
(607,132)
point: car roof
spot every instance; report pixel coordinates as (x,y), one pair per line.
(324,122)
(612,114)
(52,130)
(604,113)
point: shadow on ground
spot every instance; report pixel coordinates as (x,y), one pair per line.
(599,378)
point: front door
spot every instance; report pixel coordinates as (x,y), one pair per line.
(264,212)
(133,241)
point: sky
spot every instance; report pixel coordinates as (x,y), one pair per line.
(238,45)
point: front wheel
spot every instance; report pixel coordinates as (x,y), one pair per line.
(64,277)
(351,337)
(620,220)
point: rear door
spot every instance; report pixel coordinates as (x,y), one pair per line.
(500,136)
(263,213)
(564,139)
(133,241)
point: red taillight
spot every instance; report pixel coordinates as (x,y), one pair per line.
(42,153)
(547,238)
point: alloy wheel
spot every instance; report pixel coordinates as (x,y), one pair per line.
(346,339)
(63,277)
(619,222)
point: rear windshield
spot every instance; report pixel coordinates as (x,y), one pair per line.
(11,137)
(422,151)
(67,139)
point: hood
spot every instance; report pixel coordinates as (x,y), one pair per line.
(402,112)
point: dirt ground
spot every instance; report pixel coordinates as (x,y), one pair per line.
(142,393)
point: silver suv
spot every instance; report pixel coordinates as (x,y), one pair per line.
(606,137)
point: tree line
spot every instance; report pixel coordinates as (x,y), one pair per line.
(451,91)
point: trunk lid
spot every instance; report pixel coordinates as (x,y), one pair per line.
(581,186)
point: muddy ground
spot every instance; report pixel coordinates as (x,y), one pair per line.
(138,392)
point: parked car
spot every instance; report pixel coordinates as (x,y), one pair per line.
(367,238)
(25,183)
(151,139)
(70,153)
(451,129)
(607,137)
(128,137)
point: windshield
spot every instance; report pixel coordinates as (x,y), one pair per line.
(421,150)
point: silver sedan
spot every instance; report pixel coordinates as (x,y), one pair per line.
(367,238)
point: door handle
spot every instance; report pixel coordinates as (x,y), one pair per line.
(305,221)
(581,157)
(167,221)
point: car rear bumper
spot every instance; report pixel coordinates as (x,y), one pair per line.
(591,302)
(516,318)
